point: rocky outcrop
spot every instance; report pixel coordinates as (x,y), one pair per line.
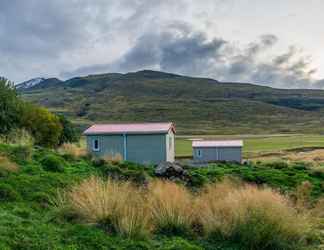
(171,171)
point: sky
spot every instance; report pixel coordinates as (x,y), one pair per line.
(277,43)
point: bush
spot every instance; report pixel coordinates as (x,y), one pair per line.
(69,133)
(277,165)
(180,244)
(7,165)
(53,163)
(7,193)
(171,208)
(254,218)
(18,136)
(72,150)
(44,126)
(21,153)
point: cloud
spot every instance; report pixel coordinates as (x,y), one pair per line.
(180,49)
(72,38)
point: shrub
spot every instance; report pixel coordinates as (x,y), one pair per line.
(179,244)
(318,209)
(72,150)
(7,193)
(18,137)
(69,133)
(197,180)
(254,218)
(117,206)
(21,153)
(277,165)
(53,163)
(171,207)
(303,194)
(7,165)
(44,126)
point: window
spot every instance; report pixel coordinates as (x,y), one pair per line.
(95,145)
(199,153)
(170,142)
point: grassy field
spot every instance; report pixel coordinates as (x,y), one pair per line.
(61,199)
(255,146)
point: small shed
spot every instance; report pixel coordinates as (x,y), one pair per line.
(209,151)
(145,143)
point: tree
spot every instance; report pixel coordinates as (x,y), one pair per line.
(10,108)
(69,133)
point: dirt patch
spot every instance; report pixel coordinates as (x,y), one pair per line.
(313,154)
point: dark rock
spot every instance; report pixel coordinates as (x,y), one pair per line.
(169,169)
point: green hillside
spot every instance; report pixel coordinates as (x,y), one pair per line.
(196,105)
(35,209)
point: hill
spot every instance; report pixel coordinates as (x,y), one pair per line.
(196,105)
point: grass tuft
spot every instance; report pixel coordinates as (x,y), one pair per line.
(118,206)
(171,207)
(255,218)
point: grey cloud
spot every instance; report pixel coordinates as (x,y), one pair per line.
(66,37)
(180,49)
(286,57)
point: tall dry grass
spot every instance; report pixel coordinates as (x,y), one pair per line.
(118,205)
(73,150)
(113,157)
(18,137)
(256,218)
(171,207)
(7,165)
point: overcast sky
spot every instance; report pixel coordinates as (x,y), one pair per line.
(276,43)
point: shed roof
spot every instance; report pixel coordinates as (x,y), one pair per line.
(130,128)
(226,143)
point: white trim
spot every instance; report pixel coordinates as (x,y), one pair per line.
(217,154)
(125,147)
(95,149)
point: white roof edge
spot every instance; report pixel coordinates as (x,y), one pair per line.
(217,143)
(130,128)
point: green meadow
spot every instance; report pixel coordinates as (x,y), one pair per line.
(254,145)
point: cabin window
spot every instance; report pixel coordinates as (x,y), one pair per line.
(199,153)
(95,145)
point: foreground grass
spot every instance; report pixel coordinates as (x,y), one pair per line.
(31,179)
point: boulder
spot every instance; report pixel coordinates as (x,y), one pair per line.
(169,169)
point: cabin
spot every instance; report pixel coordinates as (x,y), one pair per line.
(211,151)
(144,143)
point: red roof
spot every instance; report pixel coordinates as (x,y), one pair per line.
(131,128)
(226,143)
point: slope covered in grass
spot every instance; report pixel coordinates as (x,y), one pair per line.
(196,105)
(33,180)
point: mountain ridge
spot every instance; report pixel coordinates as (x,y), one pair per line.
(197,105)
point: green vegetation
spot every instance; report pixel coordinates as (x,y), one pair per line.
(196,105)
(42,208)
(18,117)
(254,145)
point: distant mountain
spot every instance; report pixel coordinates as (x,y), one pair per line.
(37,83)
(30,83)
(196,105)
